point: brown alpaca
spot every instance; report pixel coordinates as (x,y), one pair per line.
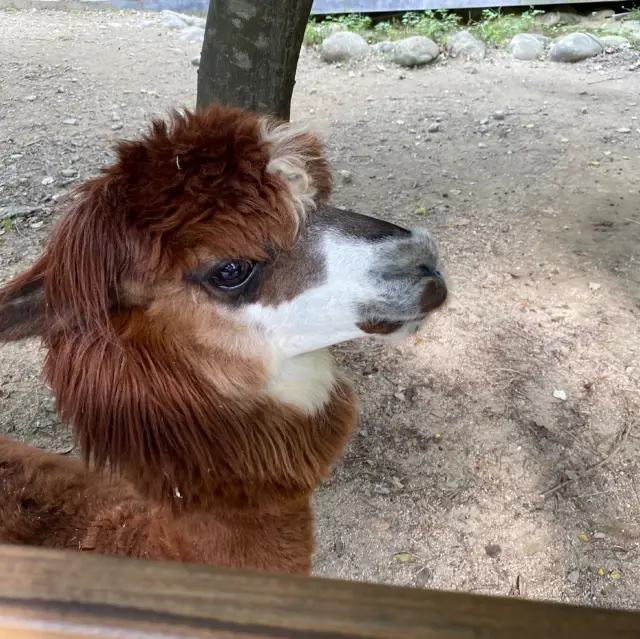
(187,299)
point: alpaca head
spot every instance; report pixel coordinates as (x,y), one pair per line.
(192,286)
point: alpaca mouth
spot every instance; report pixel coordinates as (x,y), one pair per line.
(390,327)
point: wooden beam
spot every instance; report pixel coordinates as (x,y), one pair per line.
(60,594)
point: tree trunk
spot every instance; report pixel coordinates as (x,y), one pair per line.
(250,54)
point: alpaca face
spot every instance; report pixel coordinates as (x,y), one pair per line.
(347,276)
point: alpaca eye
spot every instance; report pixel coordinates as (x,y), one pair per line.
(230,274)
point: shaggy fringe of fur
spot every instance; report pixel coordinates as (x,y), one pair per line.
(201,476)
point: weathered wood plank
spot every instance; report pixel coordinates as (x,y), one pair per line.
(57,595)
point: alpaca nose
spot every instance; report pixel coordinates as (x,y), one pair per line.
(434,294)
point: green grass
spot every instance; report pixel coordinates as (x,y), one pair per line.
(494,27)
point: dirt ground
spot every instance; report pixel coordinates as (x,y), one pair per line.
(449,482)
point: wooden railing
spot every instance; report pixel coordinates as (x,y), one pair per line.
(49,594)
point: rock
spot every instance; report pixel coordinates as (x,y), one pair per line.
(558,18)
(346,176)
(415,52)
(116,125)
(573,576)
(47,181)
(600,16)
(70,121)
(493,550)
(10,212)
(543,38)
(434,128)
(30,98)
(68,173)
(385,47)
(343,45)
(463,43)
(499,115)
(193,34)
(195,61)
(526,46)
(575,47)
(189,21)
(615,41)
(173,22)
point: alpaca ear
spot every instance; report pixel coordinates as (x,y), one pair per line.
(23,312)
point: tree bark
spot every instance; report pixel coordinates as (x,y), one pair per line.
(250,54)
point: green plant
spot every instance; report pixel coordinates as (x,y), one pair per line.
(432,24)
(355,22)
(6,225)
(495,27)
(316,32)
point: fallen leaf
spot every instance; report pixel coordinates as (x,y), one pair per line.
(582,537)
(615,574)
(404,557)
(421,210)
(419,341)
(594,163)
(601,572)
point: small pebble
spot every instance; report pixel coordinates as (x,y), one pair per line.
(30,98)
(70,121)
(573,576)
(346,176)
(68,173)
(624,130)
(499,115)
(36,225)
(434,127)
(116,126)
(47,181)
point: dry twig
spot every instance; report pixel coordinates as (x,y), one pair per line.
(622,438)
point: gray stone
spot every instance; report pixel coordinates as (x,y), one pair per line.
(558,18)
(346,176)
(434,128)
(574,576)
(385,47)
(615,41)
(463,43)
(195,61)
(172,21)
(190,21)
(68,173)
(575,47)
(415,51)
(525,46)
(343,45)
(543,38)
(193,34)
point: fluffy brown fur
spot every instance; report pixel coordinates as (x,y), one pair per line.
(190,461)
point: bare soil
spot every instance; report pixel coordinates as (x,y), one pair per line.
(538,216)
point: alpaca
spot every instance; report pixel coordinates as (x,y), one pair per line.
(187,298)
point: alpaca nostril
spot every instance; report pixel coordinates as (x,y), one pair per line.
(427,271)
